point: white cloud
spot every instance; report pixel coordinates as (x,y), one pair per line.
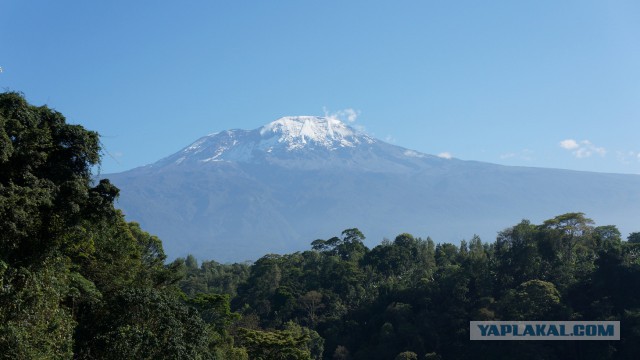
(582,149)
(350,115)
(569,144)
(413,153)
(445,155)
(390,139)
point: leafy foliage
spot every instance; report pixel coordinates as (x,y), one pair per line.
(77,280)
(275,345)
(410,298)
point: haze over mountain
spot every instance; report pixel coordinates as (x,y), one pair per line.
(240,194)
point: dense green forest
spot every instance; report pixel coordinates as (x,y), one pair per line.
(77,281)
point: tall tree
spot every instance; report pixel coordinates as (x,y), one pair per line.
(45,196)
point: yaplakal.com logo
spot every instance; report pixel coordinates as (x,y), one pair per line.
(544,330)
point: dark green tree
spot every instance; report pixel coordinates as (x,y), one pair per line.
(275,345)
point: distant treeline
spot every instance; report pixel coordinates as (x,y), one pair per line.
(79,282)
(413,299)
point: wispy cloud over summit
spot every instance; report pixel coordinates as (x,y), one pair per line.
(349,115)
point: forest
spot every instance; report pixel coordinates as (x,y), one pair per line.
(78,281)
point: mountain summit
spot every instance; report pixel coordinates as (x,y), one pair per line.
(297,141)
(288,136)
(297,132)
(240,194)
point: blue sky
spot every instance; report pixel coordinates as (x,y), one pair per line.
(537,83)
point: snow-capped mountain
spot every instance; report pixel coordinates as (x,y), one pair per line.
(315,142)
(303,142)
(240,194)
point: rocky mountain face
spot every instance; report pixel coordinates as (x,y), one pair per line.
(239,194)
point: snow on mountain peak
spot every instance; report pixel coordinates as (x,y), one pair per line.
(287,134)
(298,131)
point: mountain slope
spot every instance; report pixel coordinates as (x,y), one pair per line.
(240,194)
